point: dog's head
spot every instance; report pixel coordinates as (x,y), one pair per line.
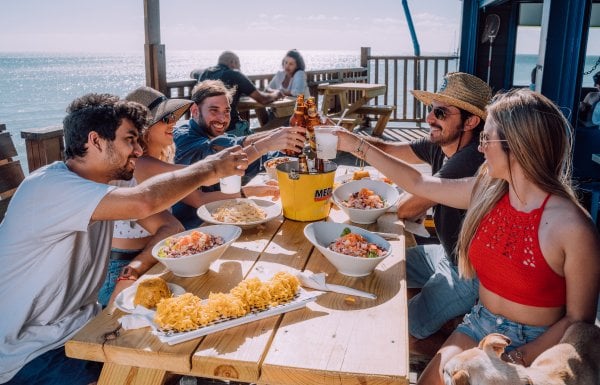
(481,365)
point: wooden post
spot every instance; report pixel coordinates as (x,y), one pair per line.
(365,52)
(2,127)
(44,145)
(154,52)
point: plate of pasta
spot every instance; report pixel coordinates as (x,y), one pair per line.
(242,212)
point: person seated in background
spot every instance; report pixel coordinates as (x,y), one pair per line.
(205,133)
(291,81)
(456,118)
(588,104)
(56,235)
(228,71)
(537,275)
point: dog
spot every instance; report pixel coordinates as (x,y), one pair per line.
(574,360)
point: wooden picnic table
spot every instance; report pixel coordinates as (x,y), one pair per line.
(356,109)
(338,339)
(281,109)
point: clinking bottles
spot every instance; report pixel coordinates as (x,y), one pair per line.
(313,120)
(297,120)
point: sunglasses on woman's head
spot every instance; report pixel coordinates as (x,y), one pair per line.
(440,113)
(170,118)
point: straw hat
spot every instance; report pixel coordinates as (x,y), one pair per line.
(158,104)
(461,90)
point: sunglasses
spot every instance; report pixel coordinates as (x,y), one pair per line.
(484,140)
(169,119)
(440,113)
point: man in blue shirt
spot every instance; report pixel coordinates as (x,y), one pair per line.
(206,133)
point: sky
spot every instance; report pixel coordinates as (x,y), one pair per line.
(118,25)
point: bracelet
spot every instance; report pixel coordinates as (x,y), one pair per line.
(130,278)
(128,273)
(519,357)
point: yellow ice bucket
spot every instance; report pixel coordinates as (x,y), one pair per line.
(305,197)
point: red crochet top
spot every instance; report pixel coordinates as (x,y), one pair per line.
(506,255)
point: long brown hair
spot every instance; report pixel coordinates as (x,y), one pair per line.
(540,139)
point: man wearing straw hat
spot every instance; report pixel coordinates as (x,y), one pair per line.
(456,117)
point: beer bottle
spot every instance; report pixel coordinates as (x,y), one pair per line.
(313,119)
(302,164)
(298,119)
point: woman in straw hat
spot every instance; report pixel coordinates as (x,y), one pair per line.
(537,276)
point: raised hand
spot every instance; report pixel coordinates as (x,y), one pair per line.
(229,161)
(287,138)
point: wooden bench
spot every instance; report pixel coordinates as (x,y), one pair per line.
(11,173)
(383,112)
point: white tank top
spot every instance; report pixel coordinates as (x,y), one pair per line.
(128,229)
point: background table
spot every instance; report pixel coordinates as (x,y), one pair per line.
(356,105)
(282,110)
(338,339)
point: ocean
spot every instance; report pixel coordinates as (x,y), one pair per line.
(36,88)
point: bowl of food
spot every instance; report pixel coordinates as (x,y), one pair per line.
(190,253)
(242,212)
(365,200)
(271,165)
(353,251)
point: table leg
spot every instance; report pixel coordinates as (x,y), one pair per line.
(114,374)
(262,115)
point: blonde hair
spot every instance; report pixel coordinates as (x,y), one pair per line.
(167,154)
(540,139)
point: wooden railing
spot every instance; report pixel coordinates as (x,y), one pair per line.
(404,73)
(400,74)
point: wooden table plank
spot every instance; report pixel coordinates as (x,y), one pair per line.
(338,348)
(236,353)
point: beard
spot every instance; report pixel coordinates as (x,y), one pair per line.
(122,169)
(442,140)
(210,128)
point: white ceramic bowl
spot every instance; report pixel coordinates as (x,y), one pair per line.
(198,264)
(271,165)
(272,209)
(388,193)
(321,234)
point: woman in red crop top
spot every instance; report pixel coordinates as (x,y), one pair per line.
(525,236)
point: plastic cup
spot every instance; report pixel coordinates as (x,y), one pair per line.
(231,184)
(326,142)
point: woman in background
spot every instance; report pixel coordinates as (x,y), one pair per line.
(291,81)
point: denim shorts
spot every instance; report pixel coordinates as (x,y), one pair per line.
(480,322)
(55,368)
(443,294)
(114,269)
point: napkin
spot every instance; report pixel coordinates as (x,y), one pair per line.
(317,281)
(140,318)
(389,222)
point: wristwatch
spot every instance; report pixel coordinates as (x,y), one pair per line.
(128,273)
